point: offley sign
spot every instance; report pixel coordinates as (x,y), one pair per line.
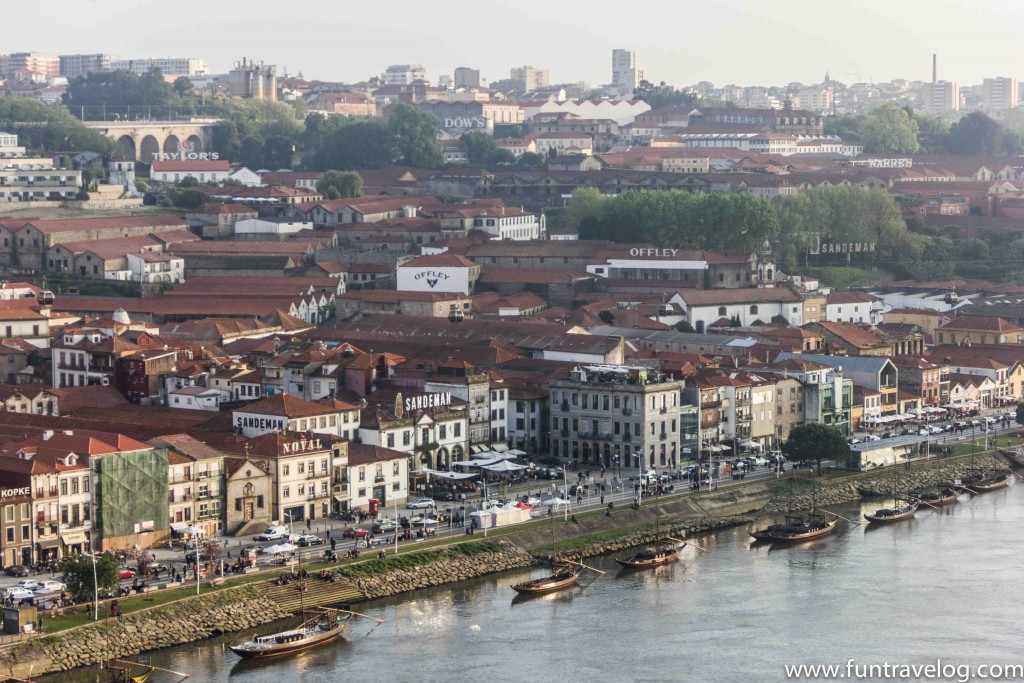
(428,401)
(657,253)
(431,277)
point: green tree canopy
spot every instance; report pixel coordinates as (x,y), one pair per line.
(682,219)
(78,576)
(344,184)
(976,134)
(815,442)
(481,149)
(415,137)
(363,144)
(587,202)
(61,132)
(889,129)
(530,160)
(107,95)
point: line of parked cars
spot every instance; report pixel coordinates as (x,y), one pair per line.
(27,589)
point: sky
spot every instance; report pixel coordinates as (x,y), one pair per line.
(743,42)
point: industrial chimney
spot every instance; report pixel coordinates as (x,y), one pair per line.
(935,68)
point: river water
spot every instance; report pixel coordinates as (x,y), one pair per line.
(946,585)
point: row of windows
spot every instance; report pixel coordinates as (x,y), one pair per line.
(302,466)
(617,401)
(598,427)
(286,492)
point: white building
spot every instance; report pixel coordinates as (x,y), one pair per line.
(563,143)
(704,308)
(377,472)
(853,307)
(509,223)
(169,66)
(404,74)
(940,97)
(148,266)
(27,324)
(195,398)
(625,74)
(262,228)
(999,95)
(246,176)
(282,412)
(440,273)
(621,112)
(203,170)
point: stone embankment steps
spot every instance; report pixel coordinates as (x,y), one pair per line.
(318,592)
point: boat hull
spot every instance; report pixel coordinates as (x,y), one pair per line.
(643,563)
(547,584)
(784,537)
(284,649)
(888,519)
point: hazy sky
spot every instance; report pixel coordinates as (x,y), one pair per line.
(747,42)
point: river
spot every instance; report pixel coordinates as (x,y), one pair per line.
(946,584)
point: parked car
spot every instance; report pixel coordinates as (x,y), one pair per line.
(27,584)
(872,437)
(354,532)
(309,539)
(420,503)
(384,526)
(125,573)
(16,570)
(530,500)
(272,534)
(19,594)
(49,586)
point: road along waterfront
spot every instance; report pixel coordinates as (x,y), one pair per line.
(945,584)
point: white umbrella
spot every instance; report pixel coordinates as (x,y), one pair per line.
(194,530)
(515,452)
(503,466)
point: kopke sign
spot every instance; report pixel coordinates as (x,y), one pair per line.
(16,493)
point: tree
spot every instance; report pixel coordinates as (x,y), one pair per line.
(188,181)
(530,160)
(586,202)
(662,95)
(183,86)
(815,442)
(188,198)
(415,137)
(889,129)
(977,135)
(683,326)
(481,149)
(59,132)
(1020,414)
(344,184)
(363,144)
(78,576)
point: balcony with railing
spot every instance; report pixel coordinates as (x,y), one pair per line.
(180,498)
(46,493)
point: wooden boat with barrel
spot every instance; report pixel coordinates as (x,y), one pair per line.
(561,577)
(665,552)
(989,481)
(797,529)
(946,496)
(321,625)
(903,509)
(1014,457)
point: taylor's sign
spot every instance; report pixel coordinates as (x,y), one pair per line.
(186,152)
(16,493)
(301,446)
(657,253)
(428,401)
(262,423)
(187,156)
(432,277)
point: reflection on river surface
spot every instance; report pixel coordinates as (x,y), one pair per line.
(945,584)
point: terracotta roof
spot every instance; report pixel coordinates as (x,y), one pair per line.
(106,222)
(980,323)
(438,261)
(187,445)
(849,298)
(715,297)
(851,334)
(364,454)
(285,405)
(194,165)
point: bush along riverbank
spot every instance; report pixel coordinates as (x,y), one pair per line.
(404,573)
(175,623)
(878,483)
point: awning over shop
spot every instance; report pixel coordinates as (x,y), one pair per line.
(73,538)
(47,543)
(179,526)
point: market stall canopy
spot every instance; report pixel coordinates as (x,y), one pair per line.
(451,476)
(503,466)
(279,548)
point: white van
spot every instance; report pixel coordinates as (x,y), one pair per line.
(273,533)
